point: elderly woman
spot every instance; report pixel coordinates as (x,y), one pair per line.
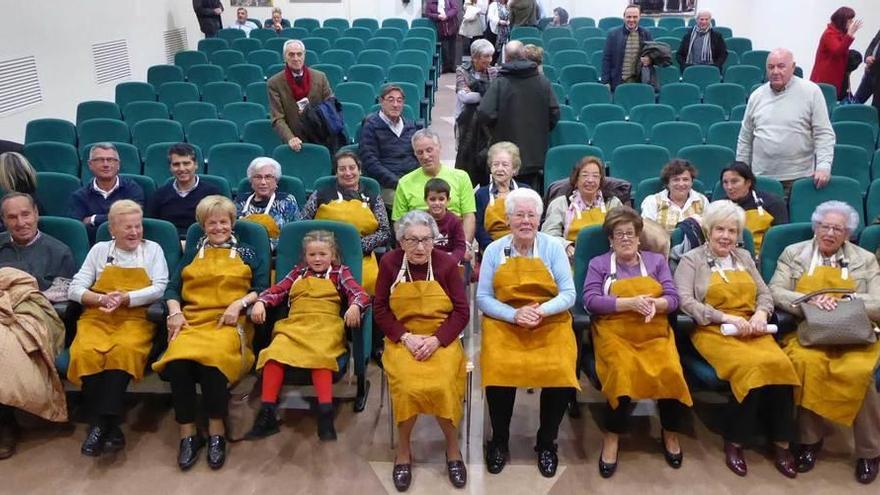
(116,283)
(348,201)
(629,292)
(471,82)
(837,383)
(265,205)
(504,162)
(718,284)
(677,200)
(525,292)
(421,306)
(586,206)
(763,209)
(209,339)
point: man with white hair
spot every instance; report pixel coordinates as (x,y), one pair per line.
(291,91)
(702,45)
(786,133)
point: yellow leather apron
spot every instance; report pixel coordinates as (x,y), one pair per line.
(513,356)
(637,359)
(434,386)
(495,218)
(582,219)
(758,221)
(264,218)
(359,214)
(669,220)
(834,379)
(748,363)
(120,340)
(210,284)
(313,334)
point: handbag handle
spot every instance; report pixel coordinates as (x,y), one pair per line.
(810,295)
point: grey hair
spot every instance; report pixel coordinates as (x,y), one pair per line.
(839,207)
(289,43)
(523,195)
(425,134)
(721,211)
(700,14)
(102,146)
(262,161)
(513,50)
(415,218)
(482,46)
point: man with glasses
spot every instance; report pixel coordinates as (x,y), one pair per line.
(91,202)
(385,146)
(176,201)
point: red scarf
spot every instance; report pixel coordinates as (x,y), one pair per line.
(300,90)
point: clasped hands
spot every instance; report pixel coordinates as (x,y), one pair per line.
(643,305)
(529,316)
(825,302)
(421,346)
(111,301)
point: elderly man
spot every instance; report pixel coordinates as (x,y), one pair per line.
(786,133)
(410,193)
(385,146)
(520,107)
(242,22)
(623,47)
(208,13)
(291,91)
(702,45)
(91,202)
(176,201)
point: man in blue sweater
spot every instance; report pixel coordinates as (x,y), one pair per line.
(91,202)
(385,146)
(176,201)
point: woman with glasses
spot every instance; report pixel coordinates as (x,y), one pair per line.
(525,292)
(264,204)
(421,307)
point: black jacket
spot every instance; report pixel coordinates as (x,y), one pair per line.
(209,22)
(612,59)
(719,49)
(520,107)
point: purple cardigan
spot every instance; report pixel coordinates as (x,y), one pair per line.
(449,27)
(596,302)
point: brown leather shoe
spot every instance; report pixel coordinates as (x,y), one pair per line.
(807,455)
(735,461)
(8,439)
(866,470)
(785,462)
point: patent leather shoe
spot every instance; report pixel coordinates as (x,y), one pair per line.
(189,450)
(674,460)
(606,469)
(402,476)
(93,445)
(807,456)
(785,463)
(216,451)
(734,458)
(547,461)
(496,458)
(866,470)
(457,472)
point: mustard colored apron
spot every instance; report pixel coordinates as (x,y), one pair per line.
(513,356)
(120,340)
(582,219)
(758,221)
(359,214)
(434,386)
(637,359)
(264,218)
(495,218)
(667,219)
(313,334)
(834,379)
(213,281)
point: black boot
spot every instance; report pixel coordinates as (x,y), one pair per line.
(114,440)
(93,445)
(266,422)
(326,431)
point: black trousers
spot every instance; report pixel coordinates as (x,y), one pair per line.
(183,375)
(554,400)
(449,60)
(7,414)
(671,414)
(104,396)
(769,408)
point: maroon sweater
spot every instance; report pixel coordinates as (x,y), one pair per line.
(445,273)
(451,238)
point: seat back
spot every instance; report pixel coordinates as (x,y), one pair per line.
(173,93)
(162,232)
(127,92)
(55,130)
(630,95)
(160,74)
(853,162)
(202,74)
(724,134)
(776,239)
(725,95)
(47,156)
(873,201)
(349,44)
(97,110)
(342,58)
(260,132)
(244,74)
(263,34)
(637,162)
(211,45)
(71,232)
(565,58)
(582,94)
(137,111)
(54,191)
(309,163)
(356,92)
(569,133)
(367,73)
(230,34)
(264,59)
(869,240)
(221,93)
(102,130)
(805,197)
(560,160)
(739,45)
(858,134)
(246,45)
(240,113)
(367,23)
(676,135)
(207,133)
(190,111)
(755,58)
(650,114)
(256,93)
(391,32)
(150,131)
(231,160)
(597,113)
(611,135)
(856,113)
(702,114)
(701,75)
(383,43)
(746,76)
(679,95)
(227,58)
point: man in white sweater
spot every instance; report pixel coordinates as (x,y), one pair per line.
(786,133)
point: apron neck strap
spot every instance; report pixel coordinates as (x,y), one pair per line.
(138,252)
(404,274)
(715,265)
(842,262)
(247,203)
(506,252)
(612,276)
(759,203)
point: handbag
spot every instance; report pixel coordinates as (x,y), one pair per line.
(847,324)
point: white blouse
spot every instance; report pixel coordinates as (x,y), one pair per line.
(148,256)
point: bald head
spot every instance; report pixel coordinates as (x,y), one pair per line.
(780,68)
(513,50)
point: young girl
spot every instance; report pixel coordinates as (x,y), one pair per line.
(313,334)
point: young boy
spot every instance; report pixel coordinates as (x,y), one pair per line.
(451,239)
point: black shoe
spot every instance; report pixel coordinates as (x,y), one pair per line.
(265,424)
(547,461)
(674,460)
(93,445)
(866,470)
(402,476)
(9,433)
(326,431)
(114,440)
(496,457)
(785,462)
(216,451)
(457,472)
(807,455)
(607,469)
(189,451)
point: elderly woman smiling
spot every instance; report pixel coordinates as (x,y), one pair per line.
(677,200)
(421,306)
(525,292)
(719,284)
(504,162)
(265,205)
(837,383)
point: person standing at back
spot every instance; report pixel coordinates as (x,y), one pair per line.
(523,12)
(832,54)
(623,47)
(208,13)
(444,13)
(702,45)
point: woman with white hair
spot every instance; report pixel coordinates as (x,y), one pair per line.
(504,162)
(118,280)
(472,80)
(421,307)
(265,205)
(720,287)
(837,383)
(525,292)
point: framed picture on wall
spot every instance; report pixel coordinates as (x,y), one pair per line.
(250,3)
(668,7)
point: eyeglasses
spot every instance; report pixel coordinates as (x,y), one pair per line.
(100,159)
(624,235)
(267,178)
(412,242)
(391,99)
(836,229)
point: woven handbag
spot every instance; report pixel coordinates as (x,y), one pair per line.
(847,324)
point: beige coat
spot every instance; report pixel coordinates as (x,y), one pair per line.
(692,280)
(283,109)
(31,335)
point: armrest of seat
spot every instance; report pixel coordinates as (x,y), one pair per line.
(682,324)
(157,312)
(785,322)
(67,310)
(581,321)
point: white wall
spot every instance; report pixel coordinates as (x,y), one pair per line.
(59,33)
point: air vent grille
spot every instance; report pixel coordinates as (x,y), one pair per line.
(175,41)
(111,61)
(19,84)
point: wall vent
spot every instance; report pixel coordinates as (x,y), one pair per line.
(175,41)
(111,61)
(19,84)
